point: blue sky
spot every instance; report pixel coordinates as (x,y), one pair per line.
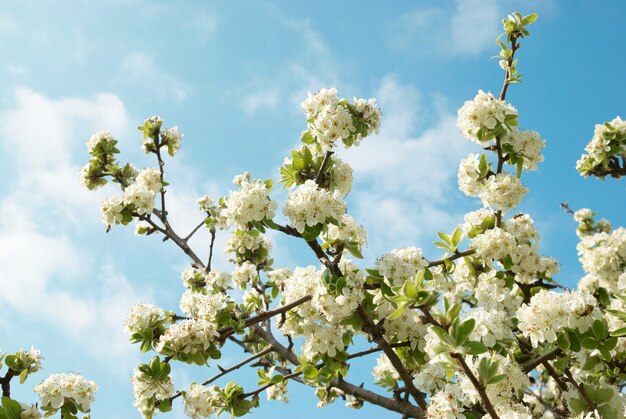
(231,76)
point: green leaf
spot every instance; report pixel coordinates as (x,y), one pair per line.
(12,409)
(619,332)
(307,137)
(444,237)
(401,307)
(23,376)
(599,329)
(527,20)
(474,348)
(298,163)
(457,235)
(619,314)
(462,332)
(519,167)
(589,343)
(562,341)
(165,405)
(497,378)
(310,372)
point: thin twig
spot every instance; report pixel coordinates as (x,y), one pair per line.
(480,388)
(534,363)
(224,371)
(581,390)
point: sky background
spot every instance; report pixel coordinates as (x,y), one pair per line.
(231,76)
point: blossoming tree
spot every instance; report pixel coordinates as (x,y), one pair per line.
(485,331)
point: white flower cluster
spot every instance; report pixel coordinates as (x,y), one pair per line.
(244,275)
(187,337)
(447,403)
(479,119)
(468,176)
(331,119)
(170,138)
(202,401)
(607,141)
(205,203)
(494,244)
(526,144)
(384,370)
(481,219)
(491,293)
(319,320)
(491,326)
(63,389)
(210,306)
(340,176)
(603,256)
(430,377)
(31,360)
(527,263)
(30,411)
(243,244)
(189,302)
(503,191)
(279,276)
(505,394)
(251,203)
(138,198)
(401,264)
(111,211)
(193,278)
(309,205)
(550,312)
(95,139)
(348,231)
(142,316)
(369,112)
(150,179)
(278,392)
(328,121)
(217,280)
(148,389)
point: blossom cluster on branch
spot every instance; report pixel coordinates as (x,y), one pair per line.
(483,332)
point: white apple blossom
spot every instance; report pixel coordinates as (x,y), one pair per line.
(401,264)
(484,114)
(187,337)
(309,205)
(549,312)
(61,389)
(148,389)
(502,191)
(202,401)
(250,203)
(143,316)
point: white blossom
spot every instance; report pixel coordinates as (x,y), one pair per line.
(202,401)
(60,389)
(309,205)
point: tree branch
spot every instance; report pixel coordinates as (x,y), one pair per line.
(5,382)
(376,332)
(533,363)
(480,388)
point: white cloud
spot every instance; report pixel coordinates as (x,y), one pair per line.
(142,70)
(310,70)
(263,99)
(468,29)
(406,183)
(203,24)
(49,273)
